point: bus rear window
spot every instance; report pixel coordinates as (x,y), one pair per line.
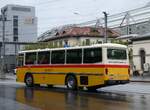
(118,54)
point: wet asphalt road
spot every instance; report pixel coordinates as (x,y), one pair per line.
(19,97)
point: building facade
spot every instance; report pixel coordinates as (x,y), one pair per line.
(76,36)
(20,26)
(141,54)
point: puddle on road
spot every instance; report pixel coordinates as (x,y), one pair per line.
(60,99)
(63,99)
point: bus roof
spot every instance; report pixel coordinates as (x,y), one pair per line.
(113,45)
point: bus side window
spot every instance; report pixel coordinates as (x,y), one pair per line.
(92,55)
(74,56)
(44,57)
(58,57)
(30,58)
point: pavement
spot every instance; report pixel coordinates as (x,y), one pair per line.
(132,87)
(140,79)
(8,76)
(144,78)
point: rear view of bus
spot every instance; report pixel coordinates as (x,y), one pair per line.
(116,61)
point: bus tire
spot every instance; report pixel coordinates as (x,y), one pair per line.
(29,80)
(71,82)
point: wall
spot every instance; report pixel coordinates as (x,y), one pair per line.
(137,46)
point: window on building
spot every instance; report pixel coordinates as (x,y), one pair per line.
(15,17)
(92,55)
(44,57)
(15,21)
(64,32)
(87,42)
(99,42)
(58,57)
(21,9)
(74,56)
(15,31)
(33,20)
(130,30)
(30,58)
(15,38)
(55,43)
(60,43)
(142,57)
(15,28)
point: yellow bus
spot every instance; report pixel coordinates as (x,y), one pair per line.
(76,67)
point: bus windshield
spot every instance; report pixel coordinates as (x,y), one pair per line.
(117,54)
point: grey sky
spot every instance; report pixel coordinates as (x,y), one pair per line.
(53,13)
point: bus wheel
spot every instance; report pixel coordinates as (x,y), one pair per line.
(29,80)
(71,82)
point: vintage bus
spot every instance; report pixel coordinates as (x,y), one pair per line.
(76,67)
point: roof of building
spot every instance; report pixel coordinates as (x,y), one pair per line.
(74,31)
(130,36)
(142,37)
